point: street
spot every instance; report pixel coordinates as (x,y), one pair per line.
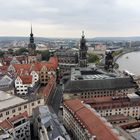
(56,99)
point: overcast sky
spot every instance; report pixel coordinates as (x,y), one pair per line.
(67,18)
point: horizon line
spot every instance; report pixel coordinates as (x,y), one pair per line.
(73,37)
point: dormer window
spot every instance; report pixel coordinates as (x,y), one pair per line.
(49,128)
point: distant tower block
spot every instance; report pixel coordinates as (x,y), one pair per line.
(31,45)
(83,52)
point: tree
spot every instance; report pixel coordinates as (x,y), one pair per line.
(1,54)
(10,51)
(116,53)
(21,51)
(93,58)
(45,54)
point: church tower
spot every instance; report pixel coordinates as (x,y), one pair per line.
(83,52)
(109,61)
(31,45)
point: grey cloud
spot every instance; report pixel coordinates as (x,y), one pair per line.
(106,15)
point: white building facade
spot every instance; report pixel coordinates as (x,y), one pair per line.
(12,106)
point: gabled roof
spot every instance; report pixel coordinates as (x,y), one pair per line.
(10,58)
(22,66)
(26,79)
(53,61)
(6,80)
(51,64)
(21,72)
(3,69)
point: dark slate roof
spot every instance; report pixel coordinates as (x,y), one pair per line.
(99,84)
(51,119)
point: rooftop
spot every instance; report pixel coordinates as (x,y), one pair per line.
(132,128)
(67,52)
(50,119)
(48,88)
(90,120)
(51,64)
(5,81)
(26,79)
(8,100)
(87,74)
(5,135)
(8,123)
(3,69)
(117,117)
(93,79)
(113,102)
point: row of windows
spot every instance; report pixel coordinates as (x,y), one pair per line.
(118,113)
(67,61)
(45,80)
(44,76)
(120,109)
(108,113)
(101,92)
(25,90)
(19,109)
(78,131)
(13,111)
(117,122)
(92,95)
(97,92)
(4,85)
(22,86)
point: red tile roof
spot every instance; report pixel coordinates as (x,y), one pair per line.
(54,61)
(3,69)
(51,64)
(17,117)
(26,79)
(7,123)
(110,102)
(90,120)
(21,58)
(48,88)
(74,105)
(6,60)
(22,66)
(21,72)
(130,124)
(117,117)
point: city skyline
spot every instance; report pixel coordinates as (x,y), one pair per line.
(52,18)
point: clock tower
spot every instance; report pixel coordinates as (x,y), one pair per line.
(31,45)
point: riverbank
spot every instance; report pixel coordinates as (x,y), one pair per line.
(129,61)
(123,53)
